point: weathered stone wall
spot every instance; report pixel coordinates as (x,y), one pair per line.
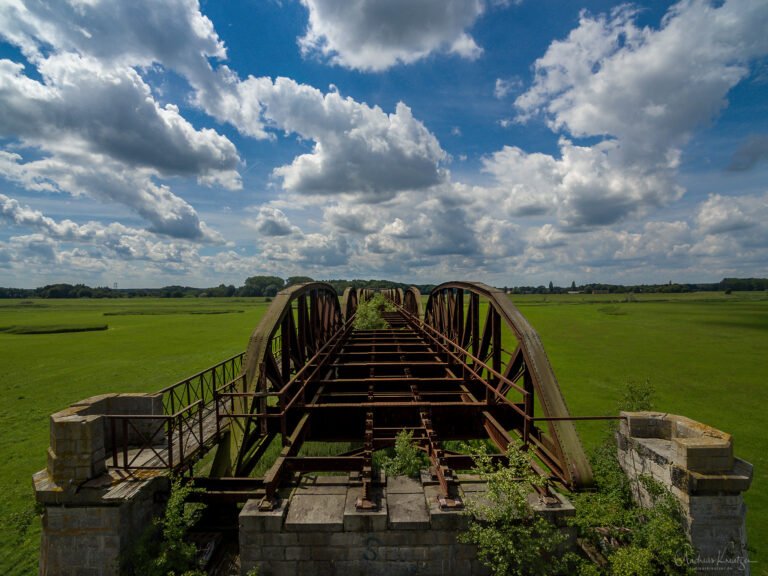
(80,541)
(317,530)
(81,435)
(87,533)
(92,514)
(696,463)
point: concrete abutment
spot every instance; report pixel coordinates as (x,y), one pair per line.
(316,529)
(695,462)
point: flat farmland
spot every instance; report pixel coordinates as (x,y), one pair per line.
(705,355)
(148,344)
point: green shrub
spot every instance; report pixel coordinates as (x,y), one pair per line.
(408,459)
(368,314)
(162,549)
(510,537)
(633,540)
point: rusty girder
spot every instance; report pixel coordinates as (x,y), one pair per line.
(470,322)
(291,338)
(309,376)
(412,302)
(394,295)
(364,294)
(349,302)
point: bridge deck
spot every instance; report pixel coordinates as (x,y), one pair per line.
(173,447)
(375,384)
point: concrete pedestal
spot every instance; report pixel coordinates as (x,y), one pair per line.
(316,530)
(696,463)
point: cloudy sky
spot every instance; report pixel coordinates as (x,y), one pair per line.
(515,142)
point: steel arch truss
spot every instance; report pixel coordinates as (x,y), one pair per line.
(293,342)
(412,302)
(395,295)
(501,357)
(349,302)
(473,368)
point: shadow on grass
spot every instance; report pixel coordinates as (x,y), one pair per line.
(53,329)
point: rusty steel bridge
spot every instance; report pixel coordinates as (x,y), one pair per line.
(467,366)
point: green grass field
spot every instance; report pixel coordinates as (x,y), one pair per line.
(705,354)
(148,345)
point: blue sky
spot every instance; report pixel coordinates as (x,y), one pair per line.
(149,143)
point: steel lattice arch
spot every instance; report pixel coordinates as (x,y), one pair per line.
(465,366)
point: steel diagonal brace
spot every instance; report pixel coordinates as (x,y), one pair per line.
(273,477)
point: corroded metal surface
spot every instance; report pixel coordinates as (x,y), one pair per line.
(412,302)
(349,302)
(444,375)
(524,372)
(286,343)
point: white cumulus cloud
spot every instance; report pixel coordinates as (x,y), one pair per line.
(358,148)
(372,35)
(271,222)
(648,88)
(643,92)
(82,120)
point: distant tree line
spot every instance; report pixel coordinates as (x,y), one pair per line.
(270,285)
(725,285)
(264,286)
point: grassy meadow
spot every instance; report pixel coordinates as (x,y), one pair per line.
(148,344)
(705,354)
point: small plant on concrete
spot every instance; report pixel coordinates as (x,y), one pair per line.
(408,459)
(637,397)
(368,314)
(510,537)
(162,549)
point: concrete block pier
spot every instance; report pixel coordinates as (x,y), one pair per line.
(93,514)
(317,530)
(696,463)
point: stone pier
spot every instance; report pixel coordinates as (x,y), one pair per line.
(92,514)
(696,463)
(317,530)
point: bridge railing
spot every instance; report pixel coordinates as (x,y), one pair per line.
(282,398)
(176,437)
(148,442)
(201,386)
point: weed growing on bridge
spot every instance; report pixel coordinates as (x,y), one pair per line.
(368,314)
(408,459)
(621,538)
(510,537)
(624,538)
(163,549)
